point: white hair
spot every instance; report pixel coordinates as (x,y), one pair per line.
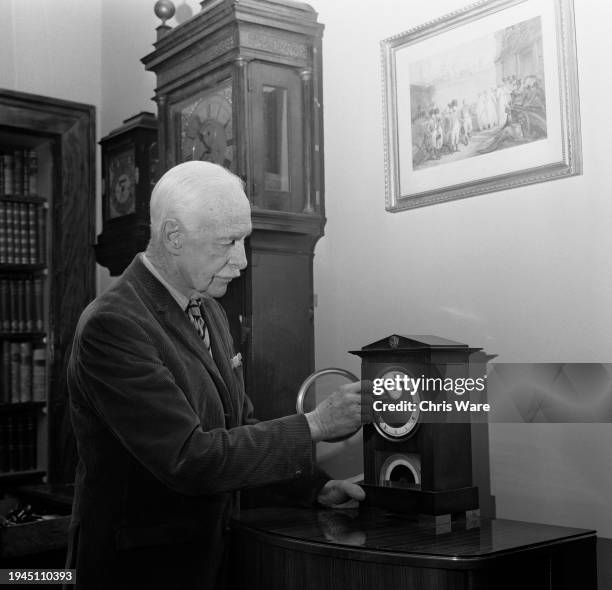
(188,188)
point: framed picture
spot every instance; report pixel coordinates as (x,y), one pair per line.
(480,100)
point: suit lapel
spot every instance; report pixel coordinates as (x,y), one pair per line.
(222,352)
(179,325)
(177,322)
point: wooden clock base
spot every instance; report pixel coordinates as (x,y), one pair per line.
(456,502)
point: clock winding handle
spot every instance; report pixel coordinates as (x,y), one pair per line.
(299,405)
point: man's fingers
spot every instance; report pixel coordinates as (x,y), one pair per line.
(362,387)
(353,491)
(351,387)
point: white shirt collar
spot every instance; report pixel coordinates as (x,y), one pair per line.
(181,299)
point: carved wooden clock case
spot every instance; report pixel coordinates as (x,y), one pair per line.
(129,161)
(240,84)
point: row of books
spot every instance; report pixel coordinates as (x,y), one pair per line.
(21,304)
(23,372)
(17,443)
(19,172)
(22,233)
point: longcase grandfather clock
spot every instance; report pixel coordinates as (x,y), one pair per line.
(239,84)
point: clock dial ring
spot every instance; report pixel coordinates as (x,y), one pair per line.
(122,181)
(397,431)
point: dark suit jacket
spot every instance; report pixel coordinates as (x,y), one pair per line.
(165,437)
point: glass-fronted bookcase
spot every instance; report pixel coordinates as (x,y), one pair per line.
(47,230)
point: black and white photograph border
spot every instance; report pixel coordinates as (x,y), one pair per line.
(364,254)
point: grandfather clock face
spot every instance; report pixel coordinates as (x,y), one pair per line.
(206,131)
(121,195)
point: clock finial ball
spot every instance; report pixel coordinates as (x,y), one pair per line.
(164,10)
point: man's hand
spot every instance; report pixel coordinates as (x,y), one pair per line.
(341,413)
(338,493)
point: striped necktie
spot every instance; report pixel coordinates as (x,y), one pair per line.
(195,315)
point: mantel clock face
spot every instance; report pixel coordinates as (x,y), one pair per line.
(206,126)
(122,184)
(397,426)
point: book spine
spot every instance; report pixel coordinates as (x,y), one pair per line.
(25,184)
(29,305)
(39,373)
(38,305)
(2,193)
(18,173)
(24,246)
(15,362)
(13,312)
(32,234)
(5,321)
(8,174)
(3,232)
(10,244)
(42,228)
(16,233)
(20,305)
(33,172)
(6,372)
(25,372)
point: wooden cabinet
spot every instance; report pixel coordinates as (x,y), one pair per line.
(299,549)
(47,223)
(239,84)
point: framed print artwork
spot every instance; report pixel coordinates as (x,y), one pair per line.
(480,100)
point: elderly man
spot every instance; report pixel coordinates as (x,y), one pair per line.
(164,429)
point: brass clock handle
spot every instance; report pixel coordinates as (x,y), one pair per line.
(299,406)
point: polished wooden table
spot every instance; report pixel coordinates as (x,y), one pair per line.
(370,549)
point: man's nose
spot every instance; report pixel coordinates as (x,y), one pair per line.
(238,257)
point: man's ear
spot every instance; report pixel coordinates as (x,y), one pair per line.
(172,236)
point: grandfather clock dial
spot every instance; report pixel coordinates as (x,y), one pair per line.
(122,181)
(206,128)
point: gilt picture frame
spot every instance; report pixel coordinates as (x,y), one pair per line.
(482,99)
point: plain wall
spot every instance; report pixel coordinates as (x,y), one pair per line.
(524,273)
(52,49)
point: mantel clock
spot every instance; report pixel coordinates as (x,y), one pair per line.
(418,457)
(239,84)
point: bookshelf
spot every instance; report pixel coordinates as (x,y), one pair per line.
(26,195)
(47,228)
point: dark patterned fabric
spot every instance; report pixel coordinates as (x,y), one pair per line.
(165,435)
(195,315)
